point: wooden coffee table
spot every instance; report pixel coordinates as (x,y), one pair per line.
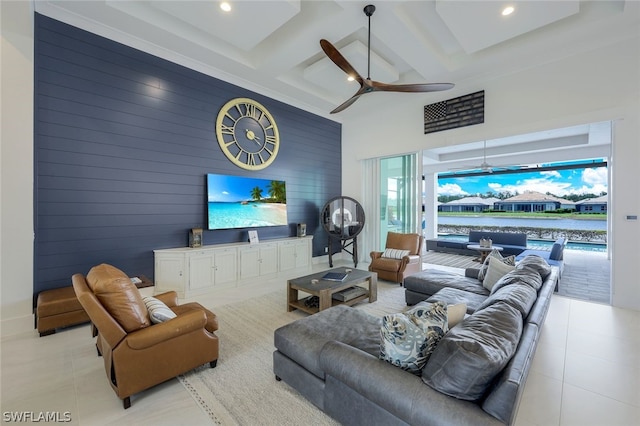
(484,251)
(324,290)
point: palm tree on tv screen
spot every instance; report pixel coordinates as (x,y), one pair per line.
(256,193)
(277,191)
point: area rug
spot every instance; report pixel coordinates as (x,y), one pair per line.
(242,389)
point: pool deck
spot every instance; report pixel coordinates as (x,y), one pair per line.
(586,274)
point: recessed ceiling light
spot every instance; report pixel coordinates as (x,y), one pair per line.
(350,78)
(225,6)
(507,11)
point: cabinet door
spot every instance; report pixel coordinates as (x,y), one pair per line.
(226,267)
(287,256)
(201,271)
(302,254)
(170,273)
(268,259)
(249,262)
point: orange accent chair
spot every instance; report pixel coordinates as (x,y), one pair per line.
(138,354)
(402,257)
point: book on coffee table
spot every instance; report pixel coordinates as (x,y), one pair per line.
(334,276)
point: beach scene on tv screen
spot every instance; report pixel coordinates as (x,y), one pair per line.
(243,202)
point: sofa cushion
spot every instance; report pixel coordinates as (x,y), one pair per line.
(391,253)
(119,296)
(387,264)
(407,339)
(158,311)
(303,339)
(519,295)
(431,281)
(469,356)
(536,263)
(519,276)
(496,270)
(454,296)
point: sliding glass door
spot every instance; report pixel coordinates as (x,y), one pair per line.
(399,195)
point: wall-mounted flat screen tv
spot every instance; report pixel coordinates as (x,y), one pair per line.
(245,202)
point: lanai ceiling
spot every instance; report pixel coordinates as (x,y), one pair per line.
(272,47)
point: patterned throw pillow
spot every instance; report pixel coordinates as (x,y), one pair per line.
(395,253)
(408,339)
(509,260)
(158,311)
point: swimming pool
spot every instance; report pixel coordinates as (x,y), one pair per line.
(540,244)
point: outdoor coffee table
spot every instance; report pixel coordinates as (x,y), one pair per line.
(484,251)
(324,289)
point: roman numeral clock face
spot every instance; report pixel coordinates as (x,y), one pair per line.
(247,134)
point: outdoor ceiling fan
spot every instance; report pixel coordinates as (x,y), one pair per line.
(366,84)
(484,166)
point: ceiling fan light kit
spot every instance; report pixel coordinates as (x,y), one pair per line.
(366,84)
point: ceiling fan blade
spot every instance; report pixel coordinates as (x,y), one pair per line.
(411,88)
(340,60)
(347,103)
(366,88)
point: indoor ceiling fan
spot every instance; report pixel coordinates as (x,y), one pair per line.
(366,84)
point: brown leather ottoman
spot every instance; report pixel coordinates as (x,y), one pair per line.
(58,308)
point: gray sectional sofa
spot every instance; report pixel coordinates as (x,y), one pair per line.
(511,242)
(475,375)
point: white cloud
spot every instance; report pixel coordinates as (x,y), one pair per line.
(225,193)
(541,185)
(451,189)
(557,182)
(551,173)
(594,177)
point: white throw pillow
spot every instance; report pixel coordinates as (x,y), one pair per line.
(158,311)
(509,260)
(496,270)
(395,253)
(455,314)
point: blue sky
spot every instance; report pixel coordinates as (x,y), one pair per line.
(556,182)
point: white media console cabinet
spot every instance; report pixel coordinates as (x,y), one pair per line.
(192,271)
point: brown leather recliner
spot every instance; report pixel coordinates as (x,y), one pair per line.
(393,267)
(137,354)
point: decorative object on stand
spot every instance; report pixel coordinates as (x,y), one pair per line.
(343,219)
(367,85)
(195,237)
(302,229)
(253,237)
(247,134)
(485,242)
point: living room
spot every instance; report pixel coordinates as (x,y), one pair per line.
(552,95)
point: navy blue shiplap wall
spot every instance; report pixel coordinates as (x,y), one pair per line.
(123,141)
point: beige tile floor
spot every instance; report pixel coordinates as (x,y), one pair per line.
(586,371)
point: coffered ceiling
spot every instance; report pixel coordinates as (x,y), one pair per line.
(272,47)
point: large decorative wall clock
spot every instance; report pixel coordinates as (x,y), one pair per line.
(247,134)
